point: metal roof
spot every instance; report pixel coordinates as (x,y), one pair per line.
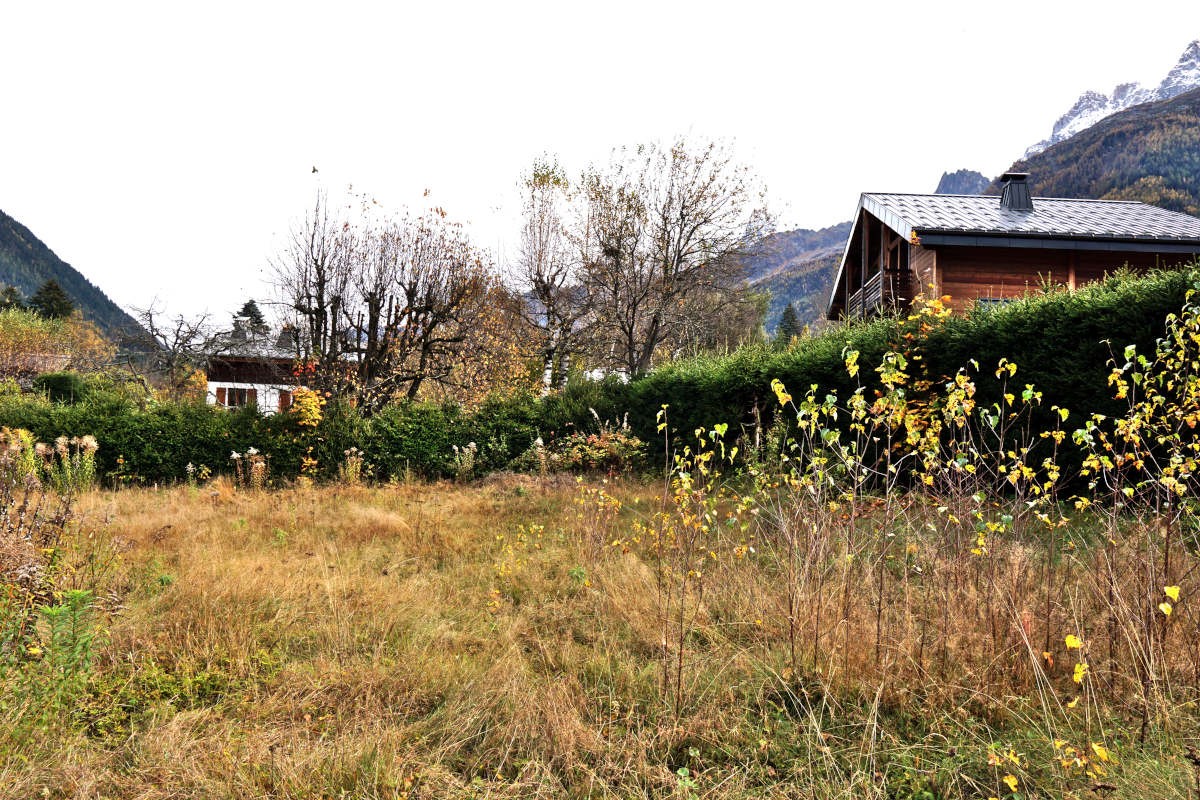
(1052,217)
(936,220)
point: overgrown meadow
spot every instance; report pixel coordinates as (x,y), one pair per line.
(921,585)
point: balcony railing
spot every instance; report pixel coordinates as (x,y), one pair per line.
(882,292)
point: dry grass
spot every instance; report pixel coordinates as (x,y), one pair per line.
(488,641)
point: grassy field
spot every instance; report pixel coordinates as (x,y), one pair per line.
(904,593)
(526,637)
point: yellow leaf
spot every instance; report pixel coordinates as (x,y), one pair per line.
(1011,781)
(780,393)
(1073,642)
(1165,608)
(1073,703)
(1172,592)
(1080,672)
(1100,750)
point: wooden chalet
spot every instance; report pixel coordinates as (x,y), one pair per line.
(980,248)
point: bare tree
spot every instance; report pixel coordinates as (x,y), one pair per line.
(382,307)
(172,350)
(722,321)
(313,278)
(547,268)
(662,237)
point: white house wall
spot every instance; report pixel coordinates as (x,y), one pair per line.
(267,393)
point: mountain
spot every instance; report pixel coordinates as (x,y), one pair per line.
(27,263)
(1091,107)
(963,181)
(798,267)
(1150,152)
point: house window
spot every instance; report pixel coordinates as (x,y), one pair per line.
(236,398)
(285,400)
(990,303)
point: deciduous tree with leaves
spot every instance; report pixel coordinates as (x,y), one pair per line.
(31,343)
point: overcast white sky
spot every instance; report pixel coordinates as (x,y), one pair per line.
(163,149)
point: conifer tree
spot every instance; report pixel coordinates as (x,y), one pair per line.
(10,298)
(789,325)
(251,312)
(51,302)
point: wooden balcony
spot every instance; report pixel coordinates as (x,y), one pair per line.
(883,292)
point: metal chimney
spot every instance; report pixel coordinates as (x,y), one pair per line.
(1014,192)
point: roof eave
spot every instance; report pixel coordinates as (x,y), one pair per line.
(934,238)
(868,203)
(841,270)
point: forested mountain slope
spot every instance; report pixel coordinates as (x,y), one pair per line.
(1150,153)
(26,262)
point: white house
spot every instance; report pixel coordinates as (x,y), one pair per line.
(252,369)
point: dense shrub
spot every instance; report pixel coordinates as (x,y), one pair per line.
(503,428)
(1060,341)
(414,438)
(61,387)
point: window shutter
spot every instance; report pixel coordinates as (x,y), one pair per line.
(285,399)
(251,397)
(220,395)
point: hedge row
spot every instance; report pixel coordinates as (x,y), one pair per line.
(156,444)
(1061,343)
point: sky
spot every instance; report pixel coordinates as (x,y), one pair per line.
(165,149)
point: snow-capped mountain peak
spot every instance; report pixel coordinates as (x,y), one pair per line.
(1091,107)
(1184,75)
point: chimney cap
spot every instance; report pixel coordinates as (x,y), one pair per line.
(1014,192)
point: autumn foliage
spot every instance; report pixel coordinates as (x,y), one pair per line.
(31,344)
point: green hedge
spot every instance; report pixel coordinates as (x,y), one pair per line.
(1061,343)
(61,387)
(155,444)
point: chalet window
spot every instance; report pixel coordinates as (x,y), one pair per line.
(285,400)
(236,398)
(990,303)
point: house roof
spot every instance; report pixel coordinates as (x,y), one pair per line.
(246,342)
(933,220)
(1051,218)
(259,348)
